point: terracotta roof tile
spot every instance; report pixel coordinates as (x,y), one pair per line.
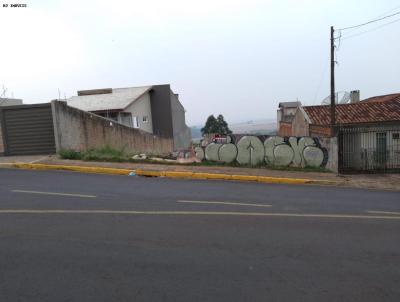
(377,109)
(383,98)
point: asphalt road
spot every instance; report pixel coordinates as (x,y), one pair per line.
(76,237)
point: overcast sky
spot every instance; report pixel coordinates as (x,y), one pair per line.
(238,58)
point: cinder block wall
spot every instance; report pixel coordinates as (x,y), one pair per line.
(78,130)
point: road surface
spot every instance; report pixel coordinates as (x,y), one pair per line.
(78,237)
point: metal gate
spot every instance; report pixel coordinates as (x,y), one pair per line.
(27,129)
(374,149)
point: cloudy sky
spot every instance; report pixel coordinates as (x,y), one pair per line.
(235,57)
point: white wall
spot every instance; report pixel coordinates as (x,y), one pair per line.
(368,141)
(141,108)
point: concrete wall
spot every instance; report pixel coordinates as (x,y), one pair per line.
(299,124)
(330,144)
(274,151)
(10,102)
(182,134)
(79,130)
(140,108)
(278,119)
(1,141)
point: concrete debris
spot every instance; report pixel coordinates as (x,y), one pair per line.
(139,156)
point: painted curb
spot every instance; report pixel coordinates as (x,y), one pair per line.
(216,176)
(173,174)
(150,173)
(83,169)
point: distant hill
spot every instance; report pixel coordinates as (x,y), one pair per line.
(255,127)
(196,132)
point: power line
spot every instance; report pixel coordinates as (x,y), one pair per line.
(379,16)
(389,11)
(320,82)
(369,22)
(367,31)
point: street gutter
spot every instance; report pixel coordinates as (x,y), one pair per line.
(171,174)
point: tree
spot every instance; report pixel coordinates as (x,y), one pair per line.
(223,125)
(216,126)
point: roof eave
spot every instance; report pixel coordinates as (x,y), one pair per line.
(106,110)
(138,97)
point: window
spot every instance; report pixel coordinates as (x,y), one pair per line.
(396,136)
(109,115)
(135,122)
(126,118)
(145,119)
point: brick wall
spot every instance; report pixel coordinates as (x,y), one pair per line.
(79,130)
(285,129)
(320,131)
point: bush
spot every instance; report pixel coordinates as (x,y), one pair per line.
(70,154)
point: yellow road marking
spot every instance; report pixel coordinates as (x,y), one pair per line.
(54,193)
(196,213)
(225,202)
(383,212)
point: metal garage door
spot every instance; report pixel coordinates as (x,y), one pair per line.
(28,129)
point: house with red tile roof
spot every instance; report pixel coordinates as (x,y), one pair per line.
(315,120)
(369,130)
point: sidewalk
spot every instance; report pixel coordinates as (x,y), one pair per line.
(370,181)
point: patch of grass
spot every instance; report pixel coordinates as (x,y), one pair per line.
(260,166)
(109,154)
(106,154)
(299,169)
(70,154)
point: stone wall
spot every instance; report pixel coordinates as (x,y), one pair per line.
(79,130)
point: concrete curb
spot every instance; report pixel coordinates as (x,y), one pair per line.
(262,179)
(173,174)
(83,169)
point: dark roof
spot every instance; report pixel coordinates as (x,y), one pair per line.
(377,109)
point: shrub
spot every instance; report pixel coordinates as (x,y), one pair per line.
(70,154)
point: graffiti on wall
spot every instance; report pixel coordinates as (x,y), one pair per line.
(272,150)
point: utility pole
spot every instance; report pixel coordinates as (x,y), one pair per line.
(333,95)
